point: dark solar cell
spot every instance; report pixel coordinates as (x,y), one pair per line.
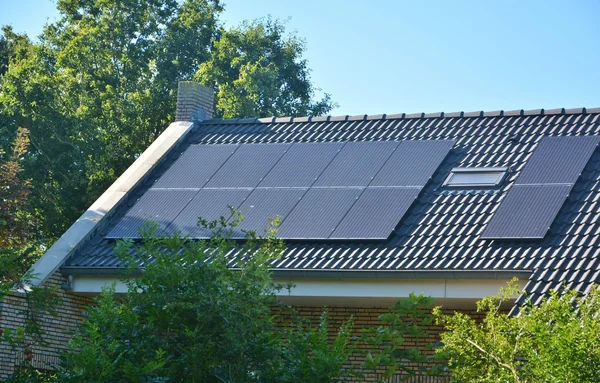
(376,213)
(195,166)
(318,213)
(247,166)
(210,204)
(558,160)
(301,165)
(159,206)
(413,163)
(526,212)
(263,204)
(356,164)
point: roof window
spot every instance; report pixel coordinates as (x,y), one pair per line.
(475,177)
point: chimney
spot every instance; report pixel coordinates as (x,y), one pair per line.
(194,102)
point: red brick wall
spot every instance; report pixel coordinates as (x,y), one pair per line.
(369,317)
(57,330)
(60,329)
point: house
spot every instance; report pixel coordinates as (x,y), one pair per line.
(451,205)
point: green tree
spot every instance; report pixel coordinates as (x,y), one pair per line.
(101,85)
(258,70)
(556,341)
(98,90)
(308,354)
(12,47)
(18,246)
(191,318)
(400,345)
(15,225)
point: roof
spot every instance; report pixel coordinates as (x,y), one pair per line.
(440,232)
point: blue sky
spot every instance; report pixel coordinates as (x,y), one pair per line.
(425,56)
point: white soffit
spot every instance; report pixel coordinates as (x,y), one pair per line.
(349,290)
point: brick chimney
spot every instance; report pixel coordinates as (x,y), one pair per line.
(194,102)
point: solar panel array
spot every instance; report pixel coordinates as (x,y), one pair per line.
(352,190)
(541,189)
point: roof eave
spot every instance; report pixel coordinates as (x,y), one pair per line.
(342,274)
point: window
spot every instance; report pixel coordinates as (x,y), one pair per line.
(479,177)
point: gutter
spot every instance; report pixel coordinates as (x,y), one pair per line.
(341,274)
(401,274)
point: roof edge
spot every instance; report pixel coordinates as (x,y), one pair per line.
(342,274)
(401,274)
(402,116)
(86,225)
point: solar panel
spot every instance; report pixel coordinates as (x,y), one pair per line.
(539,192)
(356,164)
(301,165)
(195,166)
(209,204)
(558,160)
(247,166)
(318,213)
(160,206)
(313,186)
(413,163)
(263,204)
(527,211)
(376,213)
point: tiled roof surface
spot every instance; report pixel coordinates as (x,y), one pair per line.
(441,230)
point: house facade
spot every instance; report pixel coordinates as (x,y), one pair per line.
(373,208)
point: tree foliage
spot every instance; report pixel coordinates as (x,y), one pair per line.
(101,85)
(400,345)
(15,225)
(259,71)
(308,354)
(191,318)
(556,341)
(97,89)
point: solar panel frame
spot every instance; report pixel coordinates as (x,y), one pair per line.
(558,160)
(318,213)
(356,164)
(527,212)
(239,172)
(160,206)
(195,166)
(375,214)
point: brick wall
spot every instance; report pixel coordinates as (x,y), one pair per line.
(369,317)
(61,328)
(194,102)
(57,329)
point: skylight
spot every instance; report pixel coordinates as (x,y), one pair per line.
(475,177)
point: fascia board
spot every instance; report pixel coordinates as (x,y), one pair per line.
(472,289)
